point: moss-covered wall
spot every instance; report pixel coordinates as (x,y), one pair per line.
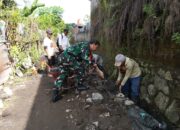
(141,28)
(147,30)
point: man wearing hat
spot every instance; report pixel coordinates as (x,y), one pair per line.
(49,47)
(129,78)
(63,41)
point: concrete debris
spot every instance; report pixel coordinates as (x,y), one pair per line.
(68,110)
(106,114)
(97,97)
(128,102)
(89,100)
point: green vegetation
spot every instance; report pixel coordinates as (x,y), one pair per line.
(50,17)
(25,29)
(148,9)
(176,38)
(28,11)
(18,55)
(7,4)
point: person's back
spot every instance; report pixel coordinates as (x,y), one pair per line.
(77,48)
(135,69)
(63,40)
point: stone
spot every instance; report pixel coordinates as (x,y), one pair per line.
(2,31)
(5,113)
(97,97)
(147,99)
(165,89)
(152,90)
(21,29)
(161,101)
(161,84)
(11,77)
(168,76)
(89,100)
(86,107)
(90,127)
(96,123)
(69,100)
(106,114)
(68,110)
(19,73)
(119,100)
(144,92)
(79,122)
(3,95)
(172,112)
(8,91)
(178,77)
(27,63)
(71,116)
(146,71)
(161,73)
(128,102)
(83,92)
(147,79)
(120,95)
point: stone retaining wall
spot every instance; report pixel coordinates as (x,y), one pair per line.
(161,88)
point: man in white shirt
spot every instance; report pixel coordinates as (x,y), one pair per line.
(49,48)
(63,41)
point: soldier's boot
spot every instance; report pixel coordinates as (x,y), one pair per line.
(56,95)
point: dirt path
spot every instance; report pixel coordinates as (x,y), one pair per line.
(30,109)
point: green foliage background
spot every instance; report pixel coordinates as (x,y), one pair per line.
(50,17)
(35,19)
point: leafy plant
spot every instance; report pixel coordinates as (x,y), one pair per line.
(17,55)
(29,10)
(149,10)
(7,4)
(176,37)
(33,19)
(35,53)
(50,17)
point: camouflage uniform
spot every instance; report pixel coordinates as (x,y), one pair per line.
(74,59)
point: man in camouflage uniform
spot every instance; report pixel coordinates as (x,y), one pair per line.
(77,59)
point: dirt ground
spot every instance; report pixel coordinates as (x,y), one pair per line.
(31,108)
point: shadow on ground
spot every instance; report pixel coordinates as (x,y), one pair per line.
(46,115)
(73,113)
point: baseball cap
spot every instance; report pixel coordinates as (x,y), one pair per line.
(49,31)
(119,59)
